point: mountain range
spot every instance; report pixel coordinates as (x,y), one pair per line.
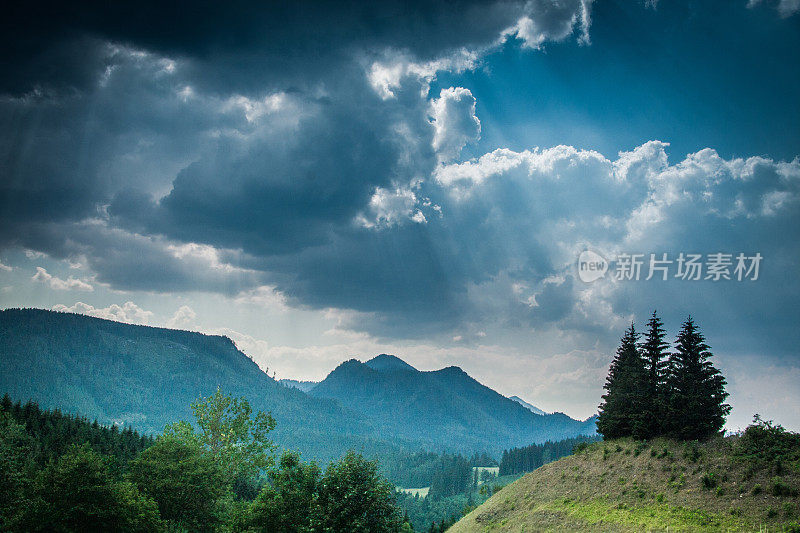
(147,377)
(440,406)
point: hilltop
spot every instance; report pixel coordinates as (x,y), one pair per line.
(625,485)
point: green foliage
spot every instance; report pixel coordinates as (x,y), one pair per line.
(654,352)
(237,442)
(78,493)
(55,432)
(451,475)
(625,402)
(647,395)
(355,498)
(709,480)
(529,458)
(351,496)
(779,487)
(696,390)
(691,451)
(766,444)
(639,448)
(187,484)
(16,449)
(289,503)
(179,482)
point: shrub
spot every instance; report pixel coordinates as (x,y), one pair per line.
(780,488)
(640,446)
(756,490)
(691,451)
(709,480)
(768,444)
(580,448)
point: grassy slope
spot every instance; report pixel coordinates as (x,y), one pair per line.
(625,486)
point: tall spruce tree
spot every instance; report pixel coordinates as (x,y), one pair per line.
(624,403)
(697,407)
(654,351)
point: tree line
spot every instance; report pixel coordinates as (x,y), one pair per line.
(529,458)
(653,391)
(63,473)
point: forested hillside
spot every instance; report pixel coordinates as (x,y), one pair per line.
(148,377)
(446,408)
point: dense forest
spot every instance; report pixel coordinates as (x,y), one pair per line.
(55,432)
(529,458)
(123,480)
(216,473)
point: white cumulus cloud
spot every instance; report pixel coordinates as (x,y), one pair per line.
(183,318)
(128,312)
(454,122)
(58,284)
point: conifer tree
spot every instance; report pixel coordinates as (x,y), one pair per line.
(623,407)
(697,407)
(654,351)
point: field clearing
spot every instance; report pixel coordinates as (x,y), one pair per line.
(493,471)
(422,492)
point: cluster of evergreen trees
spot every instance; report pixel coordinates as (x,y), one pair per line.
(54,432)
(652,391)
(529,458)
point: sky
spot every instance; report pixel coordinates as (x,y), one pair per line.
(321,181)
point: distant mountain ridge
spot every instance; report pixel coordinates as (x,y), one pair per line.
(147,377)
(441,407)
(304,386)
(529,407)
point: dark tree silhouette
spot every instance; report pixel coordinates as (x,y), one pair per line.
(624,403)
(654,351)
(696,389)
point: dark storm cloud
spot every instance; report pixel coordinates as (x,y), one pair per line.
(256,40)
(282,193)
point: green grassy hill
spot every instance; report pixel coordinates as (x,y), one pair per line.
(623,485)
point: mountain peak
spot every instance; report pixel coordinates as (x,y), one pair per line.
(526,405)
(388,363)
